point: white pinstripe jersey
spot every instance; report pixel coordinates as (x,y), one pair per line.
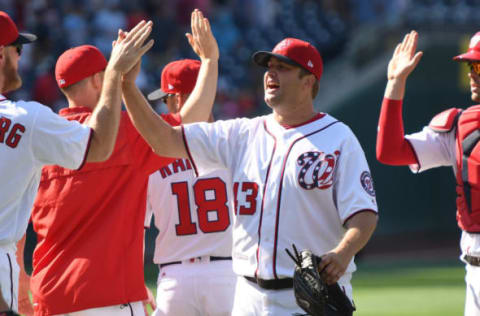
(296,185)
(32,136)
(193,215)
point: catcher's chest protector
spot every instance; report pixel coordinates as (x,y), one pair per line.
(468,169)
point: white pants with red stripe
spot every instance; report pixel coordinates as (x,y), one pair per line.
(9,272)
(472,298)
(196,289)
(130,309)
(470,245)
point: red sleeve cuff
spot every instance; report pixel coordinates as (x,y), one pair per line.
(86,150)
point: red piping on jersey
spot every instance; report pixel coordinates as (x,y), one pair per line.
(357,212)
(263,194)
(87,149)
(277,220)
(188,151)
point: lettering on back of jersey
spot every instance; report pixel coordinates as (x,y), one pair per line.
(317,169)
(10,134)
(177,166)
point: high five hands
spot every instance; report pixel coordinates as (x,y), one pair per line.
(129,47)
(405,58)
(201,39)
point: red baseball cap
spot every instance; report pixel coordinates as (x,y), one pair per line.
(473,52)
(9,33)
(295,52)
(179,76)
(77,64)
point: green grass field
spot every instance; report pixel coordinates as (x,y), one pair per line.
(404,288)
(410,288)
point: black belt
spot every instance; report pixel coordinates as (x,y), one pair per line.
(474,261)
(274,284)
(212,258)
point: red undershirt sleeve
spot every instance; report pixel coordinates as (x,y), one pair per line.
(392,147)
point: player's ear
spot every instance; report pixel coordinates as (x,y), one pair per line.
(309,81)
(3,52)
(97,80)
(178,101)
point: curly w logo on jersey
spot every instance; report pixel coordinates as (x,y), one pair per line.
(317,169)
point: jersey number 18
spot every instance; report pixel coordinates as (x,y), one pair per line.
(216,205)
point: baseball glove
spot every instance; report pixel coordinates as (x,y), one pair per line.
(312,293)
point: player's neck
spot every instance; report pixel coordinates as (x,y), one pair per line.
(73,104)
(293,119)
(293,115)
(82,100)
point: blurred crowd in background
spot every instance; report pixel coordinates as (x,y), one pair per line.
(240,26)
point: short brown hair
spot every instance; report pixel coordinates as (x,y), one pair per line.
(316,85)
(68,90)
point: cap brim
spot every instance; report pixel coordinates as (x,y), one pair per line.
(24,38)
(470,56)
(156,95)
(261,58)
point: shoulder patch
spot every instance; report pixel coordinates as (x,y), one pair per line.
(445,121)
(367,183)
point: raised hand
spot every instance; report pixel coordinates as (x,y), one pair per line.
(405,58)
(130,47)
(131,75)
(201,39)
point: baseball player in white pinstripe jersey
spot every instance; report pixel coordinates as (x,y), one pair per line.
(299,177)
(193,248)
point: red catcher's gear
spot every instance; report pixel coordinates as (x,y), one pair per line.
(468,165)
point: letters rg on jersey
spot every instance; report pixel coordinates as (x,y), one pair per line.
(10,134)
(314,170)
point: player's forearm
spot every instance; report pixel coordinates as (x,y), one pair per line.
(395,89)
(200,102)
(3,305)
(163,138)
(106,118)
(359,230)
(392,148)
(20,250)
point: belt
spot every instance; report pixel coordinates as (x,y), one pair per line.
(274,284)
(212,258)
(474,261)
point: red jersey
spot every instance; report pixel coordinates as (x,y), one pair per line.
(90,224)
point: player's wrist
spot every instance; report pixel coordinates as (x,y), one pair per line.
(113,70)
(209,59)
(395,89)
(128,84)
(128,81)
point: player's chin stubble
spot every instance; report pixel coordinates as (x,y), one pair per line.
(272,100)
